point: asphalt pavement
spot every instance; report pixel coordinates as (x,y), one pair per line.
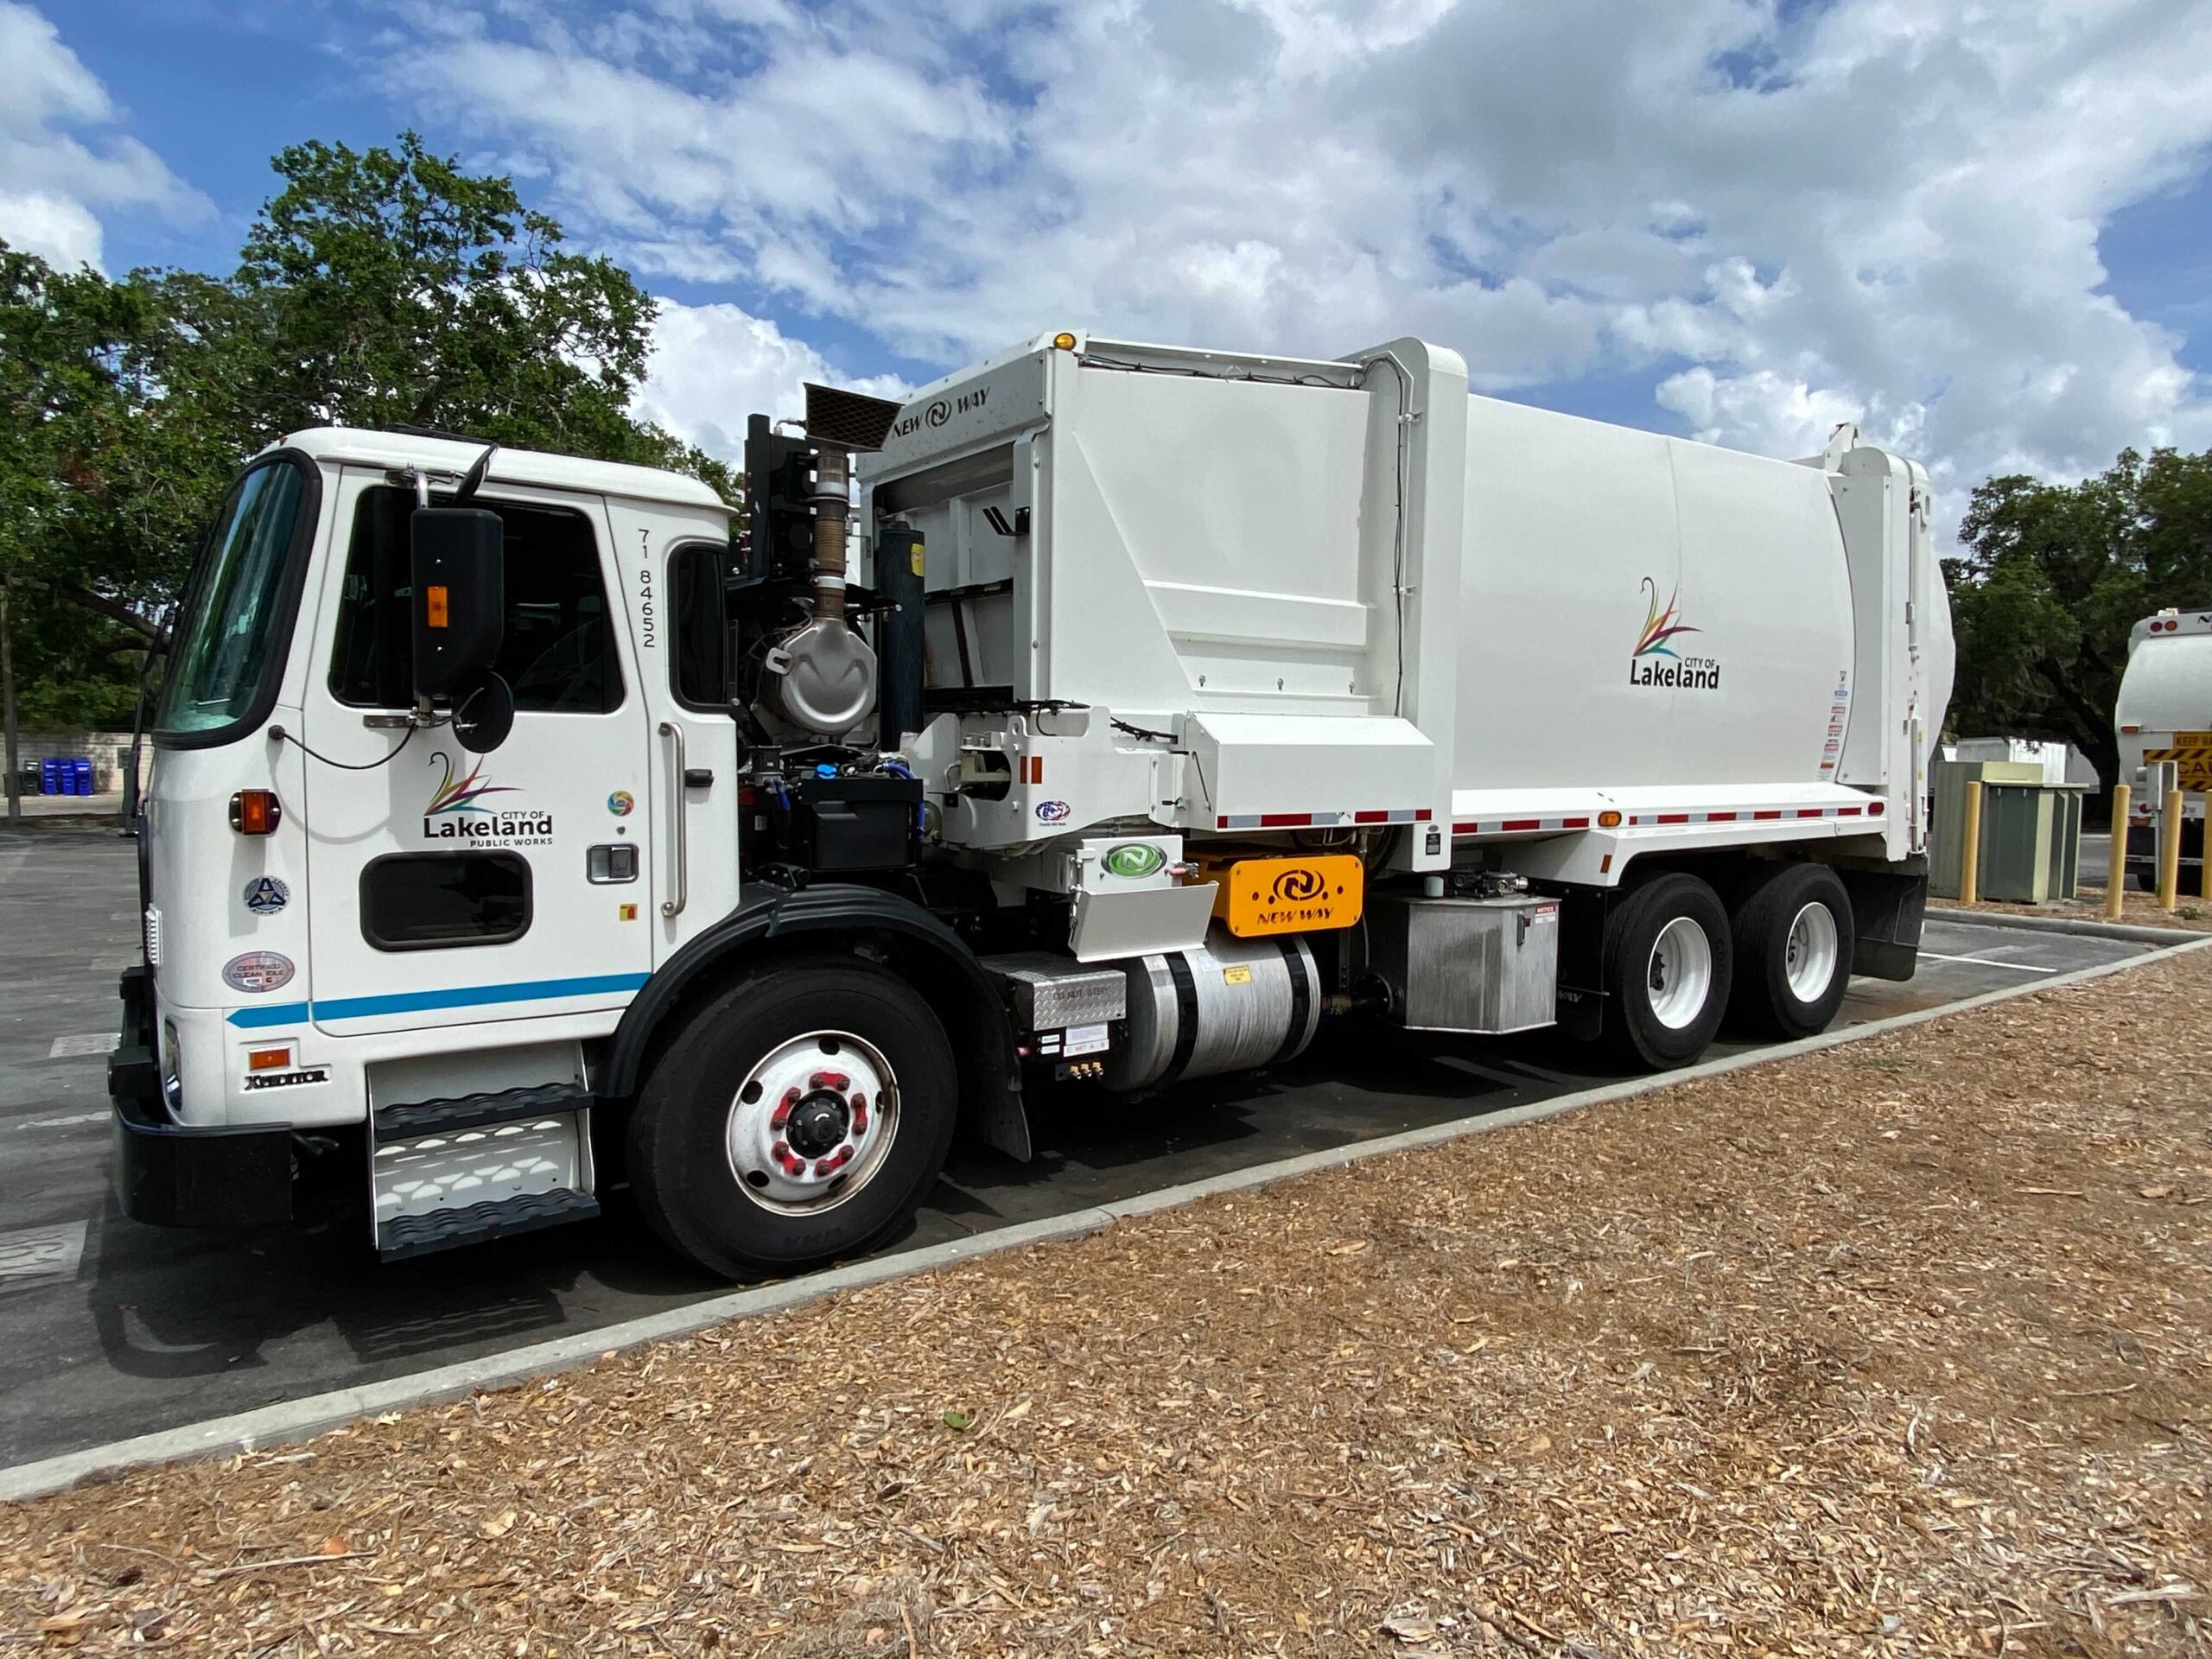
(109,1329)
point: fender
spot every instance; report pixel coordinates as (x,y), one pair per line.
(956,986)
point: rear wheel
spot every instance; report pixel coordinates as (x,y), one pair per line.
(1793,937)
(800,1116)
(1667,971)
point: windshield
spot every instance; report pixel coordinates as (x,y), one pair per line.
(229,645)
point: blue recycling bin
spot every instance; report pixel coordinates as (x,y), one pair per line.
(49,776)
(80,775)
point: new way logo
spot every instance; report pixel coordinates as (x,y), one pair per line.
(1661,624)
(454,812)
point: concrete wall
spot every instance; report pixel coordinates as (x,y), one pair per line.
(108,751)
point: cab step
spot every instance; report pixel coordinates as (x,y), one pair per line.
(460,1169)
(429,1231)
(477,1111)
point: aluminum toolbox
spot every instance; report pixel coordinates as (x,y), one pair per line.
(1485,965)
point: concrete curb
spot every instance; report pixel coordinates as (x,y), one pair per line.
(2134,932)
(296,1420)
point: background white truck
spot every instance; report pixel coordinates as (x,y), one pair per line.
(1135,709)
(2163,715)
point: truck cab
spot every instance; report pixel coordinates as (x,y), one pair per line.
(344,907)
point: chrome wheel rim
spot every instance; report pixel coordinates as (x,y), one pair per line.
(812,1122)
(1810,955)
(1680,973)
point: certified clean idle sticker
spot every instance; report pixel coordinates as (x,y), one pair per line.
(257,972)
(265,895)
(621,801)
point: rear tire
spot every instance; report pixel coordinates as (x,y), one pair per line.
(1667,967)
(1793,939)
(867,1090)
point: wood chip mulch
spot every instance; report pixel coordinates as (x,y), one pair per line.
(1898,1349)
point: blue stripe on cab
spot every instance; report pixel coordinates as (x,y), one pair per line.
(465,996)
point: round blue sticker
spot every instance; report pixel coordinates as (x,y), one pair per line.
(265,895)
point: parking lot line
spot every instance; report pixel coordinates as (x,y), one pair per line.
(41,1252)
(62,1123)
(93,1042)
(1987,961)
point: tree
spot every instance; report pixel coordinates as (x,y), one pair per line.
(375,288)
(2052,578)
(67,433)
(390,288)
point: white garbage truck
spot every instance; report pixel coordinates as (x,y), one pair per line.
(2163,728)
(1105,716)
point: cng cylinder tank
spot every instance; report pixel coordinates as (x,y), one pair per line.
(1229,1005)
(1641,610)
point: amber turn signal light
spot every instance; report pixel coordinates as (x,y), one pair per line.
(256,813)
(1609,820)
(268,1059)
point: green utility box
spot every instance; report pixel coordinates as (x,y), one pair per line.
(2031,832)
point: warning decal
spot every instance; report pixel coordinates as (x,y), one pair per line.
(2191,754)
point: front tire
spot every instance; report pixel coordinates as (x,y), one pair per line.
(800,1116)
(1793,937)
(1667,968)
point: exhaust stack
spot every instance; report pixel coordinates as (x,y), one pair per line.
(823,673)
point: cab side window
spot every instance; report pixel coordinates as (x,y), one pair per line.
(558,653)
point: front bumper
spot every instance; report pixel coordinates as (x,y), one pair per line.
(171,1174)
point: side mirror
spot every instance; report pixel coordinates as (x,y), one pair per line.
(458,563)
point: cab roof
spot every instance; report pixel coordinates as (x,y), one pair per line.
(360,447)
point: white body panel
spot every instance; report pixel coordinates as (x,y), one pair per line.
(1351,594)
(2166,688)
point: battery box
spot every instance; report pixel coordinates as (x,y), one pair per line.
(846,824)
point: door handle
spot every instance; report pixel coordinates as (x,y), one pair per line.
(679,883)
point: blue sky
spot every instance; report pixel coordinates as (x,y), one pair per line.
(1985,232)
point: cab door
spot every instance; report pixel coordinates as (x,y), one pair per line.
(453,888)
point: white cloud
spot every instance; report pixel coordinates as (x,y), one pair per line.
(51,182)
(1882,208)
(712,365)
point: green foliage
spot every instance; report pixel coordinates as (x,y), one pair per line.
(376,289)
(2052,578)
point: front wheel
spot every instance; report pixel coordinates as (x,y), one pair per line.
(1667,968)
(800,1116)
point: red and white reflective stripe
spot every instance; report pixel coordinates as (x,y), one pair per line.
(1873,809)
(1756,814)
(1320,820)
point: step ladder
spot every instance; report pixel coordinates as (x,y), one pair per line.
(461,1170)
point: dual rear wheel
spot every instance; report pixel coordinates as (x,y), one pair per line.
(1677,961)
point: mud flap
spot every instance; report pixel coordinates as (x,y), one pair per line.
(1887,908)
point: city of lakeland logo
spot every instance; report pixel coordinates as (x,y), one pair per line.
(1654,661)
(456,811)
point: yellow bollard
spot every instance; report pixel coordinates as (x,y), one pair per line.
(2204,850)
(2116,864)
(1970,854)
(2170,852)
